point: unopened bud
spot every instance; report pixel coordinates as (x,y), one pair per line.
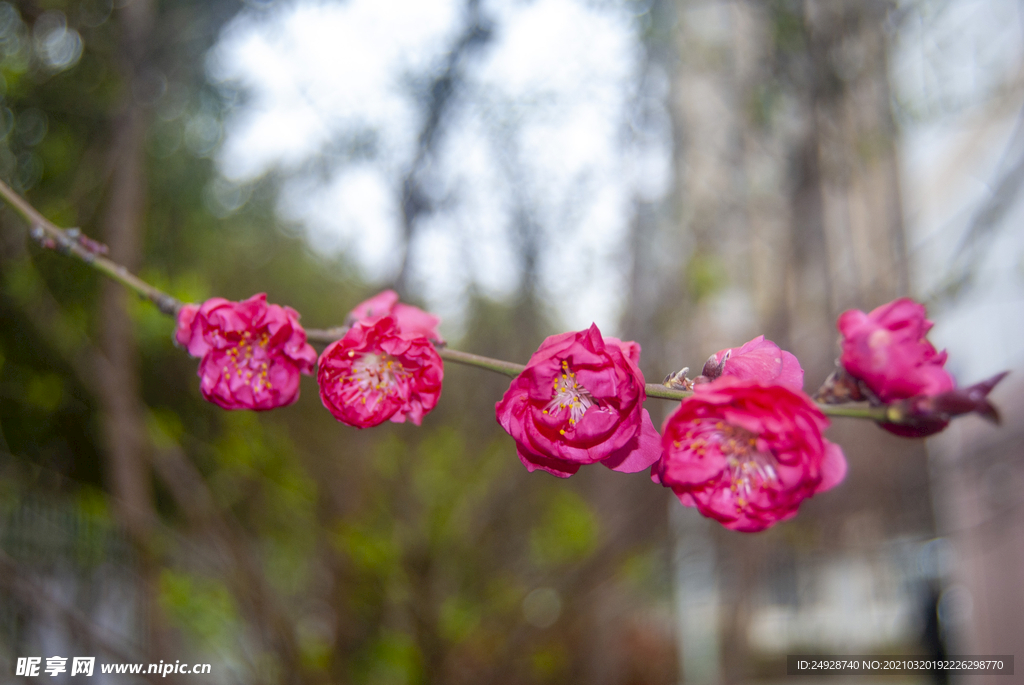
(678,380)
(713,367)
(923,415)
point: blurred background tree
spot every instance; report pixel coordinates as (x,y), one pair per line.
(688,174)
(142,524)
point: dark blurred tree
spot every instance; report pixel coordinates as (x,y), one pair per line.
(279,547)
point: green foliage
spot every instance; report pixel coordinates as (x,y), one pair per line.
(165,428)
(203,606)
(150,324)
(317,650)
(390,550)
(549,662)
(37,530)
(21,281)
(459,618)
(93,506)
(392,659)
(787,24)
(567,533)
(45,391)
(258,476)
(372,551)
(705,275)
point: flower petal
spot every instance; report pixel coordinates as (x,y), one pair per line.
(640,452)
(580,401)
(833,467)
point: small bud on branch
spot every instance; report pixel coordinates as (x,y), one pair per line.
(924,415)
(52,237)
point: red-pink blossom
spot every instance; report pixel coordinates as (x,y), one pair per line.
(580,401)
(378,372)
(252,353)
(757,360)
(747,453)
(410,319)
(887,350)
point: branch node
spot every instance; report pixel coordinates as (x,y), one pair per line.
(166,304)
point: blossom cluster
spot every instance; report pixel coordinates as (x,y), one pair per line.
(380,371)
(252,352)
(745,448)
(384,368)
(580,401)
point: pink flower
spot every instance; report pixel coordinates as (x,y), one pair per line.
(411,320)
(252,353)
(757,360)
(747,453)
(580,401)
(378,372)
(887,350)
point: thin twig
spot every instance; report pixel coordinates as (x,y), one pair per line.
(853,411)
(50,235)
(496,365)
(860,411)
(663,392)
(47,234)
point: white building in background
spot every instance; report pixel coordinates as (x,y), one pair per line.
(957,74)
(964,193)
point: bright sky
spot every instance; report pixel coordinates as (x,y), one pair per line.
(548,121)
(959,70)
(545,123)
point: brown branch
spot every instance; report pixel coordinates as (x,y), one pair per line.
(67,242)
(51,236)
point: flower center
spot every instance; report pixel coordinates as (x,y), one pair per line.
(249,360)
(372,371)
(569,394)
(750,469)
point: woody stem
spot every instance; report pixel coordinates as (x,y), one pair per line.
(859,411)
(51,236)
